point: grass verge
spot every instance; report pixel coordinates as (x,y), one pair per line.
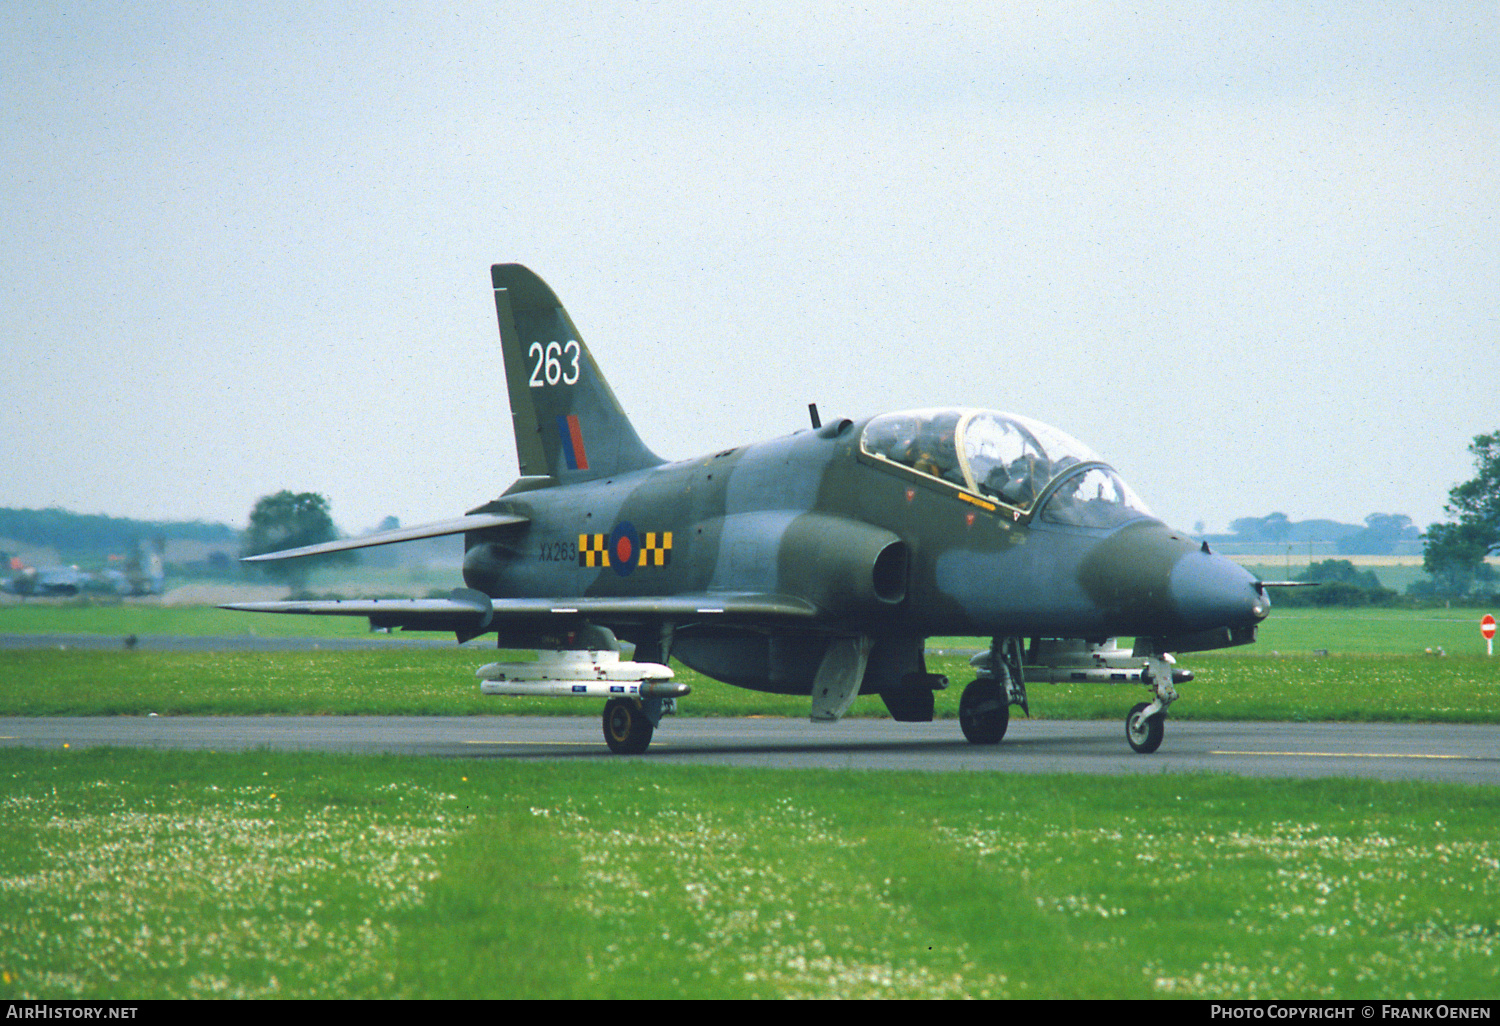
(164,875)
(145,617)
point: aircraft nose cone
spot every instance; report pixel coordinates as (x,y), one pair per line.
(1211,591)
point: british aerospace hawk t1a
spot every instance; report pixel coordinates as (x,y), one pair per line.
(815,564)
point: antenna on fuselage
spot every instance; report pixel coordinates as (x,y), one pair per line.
(812,411)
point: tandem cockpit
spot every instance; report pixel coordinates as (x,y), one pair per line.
(1032,469)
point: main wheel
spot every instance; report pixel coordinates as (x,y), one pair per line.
(983,713)
(1144,732)
(627,730)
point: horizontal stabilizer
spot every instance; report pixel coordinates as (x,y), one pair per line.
(473,522)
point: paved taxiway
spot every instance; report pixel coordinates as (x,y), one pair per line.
(1456,753)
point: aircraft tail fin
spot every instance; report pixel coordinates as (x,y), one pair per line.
(568,423)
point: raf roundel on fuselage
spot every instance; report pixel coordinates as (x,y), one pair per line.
(1007,459)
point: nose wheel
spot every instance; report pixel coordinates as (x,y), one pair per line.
(1145,732)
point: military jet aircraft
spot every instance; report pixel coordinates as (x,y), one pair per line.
(144,574)
(814,564)
(47,582)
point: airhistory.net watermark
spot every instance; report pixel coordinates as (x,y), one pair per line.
(42,1010)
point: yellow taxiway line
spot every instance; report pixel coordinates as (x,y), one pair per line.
(1349,755)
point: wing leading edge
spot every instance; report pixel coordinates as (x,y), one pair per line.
(469,613)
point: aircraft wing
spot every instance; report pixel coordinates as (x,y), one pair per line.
(472,522)
(739,607)
(470,613)
(463,610)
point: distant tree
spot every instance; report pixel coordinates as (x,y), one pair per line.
(95,533)
(1343,584)
(388,555)
(1454,556)
(1273,527)
(289,521)
(1478,501)
(1341,571)
(1454,553)
(1381,533)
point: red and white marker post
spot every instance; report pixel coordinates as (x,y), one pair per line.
(1487,628)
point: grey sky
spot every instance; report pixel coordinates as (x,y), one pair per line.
(1248,252)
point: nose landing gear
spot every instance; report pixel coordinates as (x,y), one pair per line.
(1147,721)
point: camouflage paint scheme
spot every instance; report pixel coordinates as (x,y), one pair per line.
(806,562)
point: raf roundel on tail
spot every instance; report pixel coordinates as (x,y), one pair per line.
(818,563)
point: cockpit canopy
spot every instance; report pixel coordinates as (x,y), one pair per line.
(1007,459)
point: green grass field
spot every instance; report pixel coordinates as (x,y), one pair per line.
(146,618)
(131,874)
(1372,631)
(162,875)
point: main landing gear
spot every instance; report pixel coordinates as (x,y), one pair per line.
(984,707)
(983,712)
(627,728)
(639,692)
